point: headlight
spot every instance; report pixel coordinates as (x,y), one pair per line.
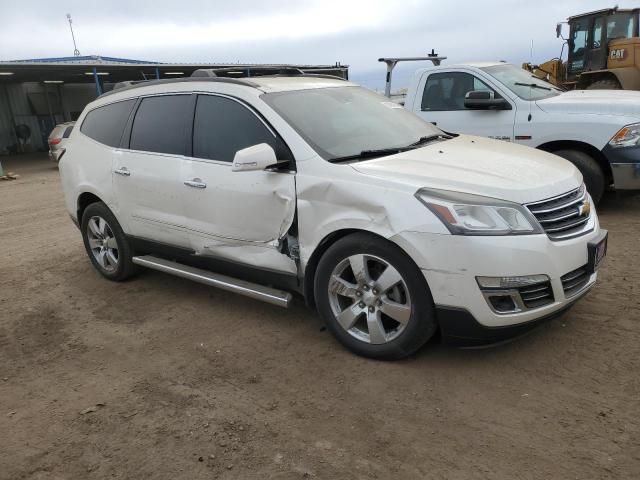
(465,214)
(628,136)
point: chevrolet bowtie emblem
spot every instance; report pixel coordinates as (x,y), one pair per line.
(585,209)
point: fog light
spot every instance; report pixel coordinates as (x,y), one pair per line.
(502,303)
(511,282)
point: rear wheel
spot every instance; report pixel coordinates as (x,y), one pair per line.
(105,243)
(594,178)
(606,84)
(374,298)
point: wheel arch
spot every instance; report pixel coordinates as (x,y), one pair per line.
(84,200)
(586,148)
(312,264)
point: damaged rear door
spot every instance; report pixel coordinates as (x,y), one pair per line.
(238,216)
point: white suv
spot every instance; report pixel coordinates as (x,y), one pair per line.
(393,229)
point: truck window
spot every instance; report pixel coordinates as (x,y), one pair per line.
(446,91)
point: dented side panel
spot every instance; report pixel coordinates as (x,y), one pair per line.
(239,216)
(330,200)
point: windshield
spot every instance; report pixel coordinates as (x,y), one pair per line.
(345,121)
(522,83)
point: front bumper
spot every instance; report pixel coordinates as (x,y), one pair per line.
(451,263)
(625,166)
(459,328)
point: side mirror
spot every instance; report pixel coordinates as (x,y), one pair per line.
(485,100)
(251,159)
(558,30)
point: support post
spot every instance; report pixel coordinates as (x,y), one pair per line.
(157,73)
(97,80)
(66,115)
(51,115)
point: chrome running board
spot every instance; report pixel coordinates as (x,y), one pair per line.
(252,290)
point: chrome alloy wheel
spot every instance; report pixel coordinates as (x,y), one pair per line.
(369,298)
(102,243)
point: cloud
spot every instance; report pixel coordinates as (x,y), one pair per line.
(355,32)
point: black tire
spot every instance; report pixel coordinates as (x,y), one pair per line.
(124,267)
(593,176)
(607,84)
(412,333)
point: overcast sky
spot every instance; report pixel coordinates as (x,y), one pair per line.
(353,32)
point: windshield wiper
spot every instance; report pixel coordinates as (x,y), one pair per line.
(532,85)
(427,139)
(381,152)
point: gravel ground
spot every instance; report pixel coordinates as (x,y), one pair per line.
(165,379)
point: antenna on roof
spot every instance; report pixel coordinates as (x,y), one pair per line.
(76,52)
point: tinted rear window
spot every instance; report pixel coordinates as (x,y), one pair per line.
(159,125)
(68,131)
(106,124)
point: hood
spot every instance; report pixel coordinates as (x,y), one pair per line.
(480,166)
(597,102)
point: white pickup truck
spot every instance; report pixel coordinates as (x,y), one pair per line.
(597,130)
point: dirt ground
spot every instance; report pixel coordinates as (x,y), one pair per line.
(165,379)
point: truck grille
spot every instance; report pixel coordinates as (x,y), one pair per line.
(574,281)
(537,295)
(564,216)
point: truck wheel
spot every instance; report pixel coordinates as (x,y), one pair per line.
(373,298)
(607,84)
(106,243)
(592,174)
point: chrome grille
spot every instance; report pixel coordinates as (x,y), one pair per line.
(564,216)
(575,280)
(537,295)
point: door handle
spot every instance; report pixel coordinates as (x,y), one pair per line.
(122,171)
(195,183)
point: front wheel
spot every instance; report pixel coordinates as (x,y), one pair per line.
(374,298)
(594,178)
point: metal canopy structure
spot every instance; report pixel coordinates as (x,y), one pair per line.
(40,92)
(100,70)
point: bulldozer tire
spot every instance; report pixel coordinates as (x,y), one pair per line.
(607,84)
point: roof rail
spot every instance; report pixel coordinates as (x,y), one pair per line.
(246,72)
(133,84)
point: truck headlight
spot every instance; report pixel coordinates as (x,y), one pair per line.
(466,214)
(628,136)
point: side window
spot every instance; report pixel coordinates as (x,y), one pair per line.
(106,124)
(160,124)
(223,126)
(597,33)
(577,45)
(446,91)
(67,131)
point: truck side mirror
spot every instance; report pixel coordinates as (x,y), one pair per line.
(251,159)
(558,30)
(485,100)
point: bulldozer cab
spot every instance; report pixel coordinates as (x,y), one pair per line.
(589,37)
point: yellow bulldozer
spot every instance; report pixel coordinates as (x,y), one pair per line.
(603,52)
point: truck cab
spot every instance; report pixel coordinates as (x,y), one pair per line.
(597,130)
